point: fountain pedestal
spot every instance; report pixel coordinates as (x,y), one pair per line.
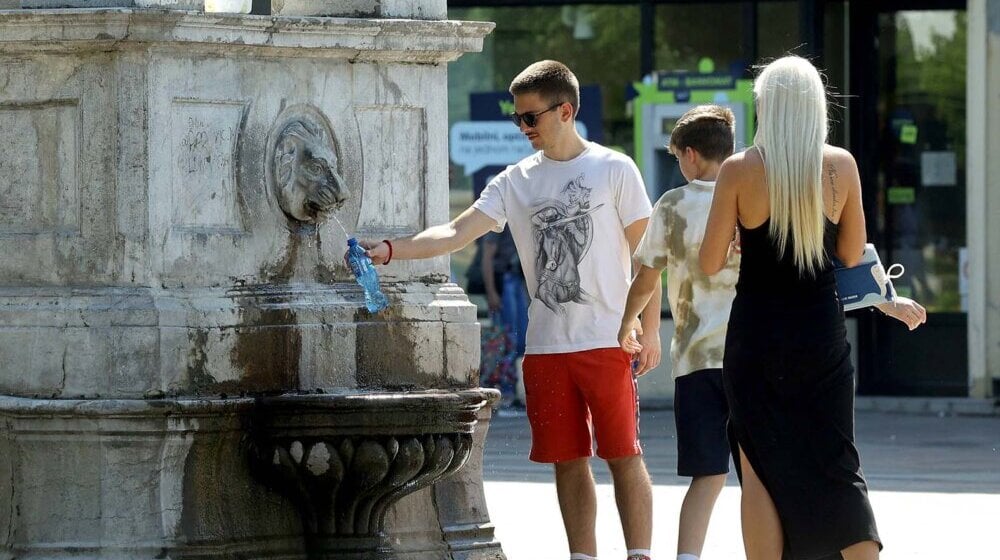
(172,188)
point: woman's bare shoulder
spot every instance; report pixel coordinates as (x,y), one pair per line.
(837,156)
(745,162)
(746,157)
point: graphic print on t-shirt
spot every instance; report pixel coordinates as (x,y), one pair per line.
(563,230)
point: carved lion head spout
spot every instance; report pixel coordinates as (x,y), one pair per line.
(304,172)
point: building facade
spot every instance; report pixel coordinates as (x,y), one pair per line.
(914,96)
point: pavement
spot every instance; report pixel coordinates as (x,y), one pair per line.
(934,483)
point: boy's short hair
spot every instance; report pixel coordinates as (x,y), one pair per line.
(708,129)
(551,80)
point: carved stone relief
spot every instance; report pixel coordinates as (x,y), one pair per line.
(345,459)
(38,167)
(204,190)
(302,166)
(345,485)
(393,145)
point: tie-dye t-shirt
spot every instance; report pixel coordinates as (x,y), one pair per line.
(699,303)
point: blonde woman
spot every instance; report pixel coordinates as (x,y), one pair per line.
(795,201)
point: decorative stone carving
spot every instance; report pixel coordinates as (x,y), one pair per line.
(343,460)
(302,166)
(344,486)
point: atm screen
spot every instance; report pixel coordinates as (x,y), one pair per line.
(667,126)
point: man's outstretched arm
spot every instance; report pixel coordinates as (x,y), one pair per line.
(434,241)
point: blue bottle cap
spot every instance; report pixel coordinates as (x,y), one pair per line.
(352,242)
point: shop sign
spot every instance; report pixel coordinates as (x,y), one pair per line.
(938,169)
(690,81)
(489,141)
(479,144)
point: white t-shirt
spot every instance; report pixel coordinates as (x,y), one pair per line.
(568,221)
(700,304)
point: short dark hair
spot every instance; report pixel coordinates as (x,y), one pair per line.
(551,80)
(708,129)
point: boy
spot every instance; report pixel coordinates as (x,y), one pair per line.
(576,211)
(701,140)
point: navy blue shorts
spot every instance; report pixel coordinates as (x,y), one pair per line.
(701,415)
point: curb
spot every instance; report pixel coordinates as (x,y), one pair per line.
(941,406)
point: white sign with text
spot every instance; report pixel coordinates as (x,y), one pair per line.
(478,144)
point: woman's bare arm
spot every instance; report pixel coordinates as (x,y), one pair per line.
(721,227)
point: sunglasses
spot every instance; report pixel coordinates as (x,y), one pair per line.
(531,119)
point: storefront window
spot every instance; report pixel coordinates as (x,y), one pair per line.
(687,34)
(922,150)
(778,31)
(600,43)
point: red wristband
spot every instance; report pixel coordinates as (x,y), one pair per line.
(389,243)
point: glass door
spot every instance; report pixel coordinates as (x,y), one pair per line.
(919,207)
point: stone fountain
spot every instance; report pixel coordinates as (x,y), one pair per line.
(187,369)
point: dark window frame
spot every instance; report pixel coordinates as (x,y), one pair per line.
(811,25)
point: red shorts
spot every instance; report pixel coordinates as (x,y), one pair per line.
(568,393)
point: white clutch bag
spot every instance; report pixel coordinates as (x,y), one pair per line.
(868,283)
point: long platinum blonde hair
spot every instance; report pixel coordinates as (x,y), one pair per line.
(791,133)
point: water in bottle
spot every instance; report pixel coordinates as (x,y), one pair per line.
(367,277)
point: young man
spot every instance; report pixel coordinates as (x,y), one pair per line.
(701,140)
(576,211)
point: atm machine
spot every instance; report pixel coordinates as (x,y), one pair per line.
(662,98)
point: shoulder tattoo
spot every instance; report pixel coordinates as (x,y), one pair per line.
(831,173)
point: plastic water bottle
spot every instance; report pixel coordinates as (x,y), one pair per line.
(364,273)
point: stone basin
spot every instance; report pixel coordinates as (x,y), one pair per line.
(343,459)
(331,465)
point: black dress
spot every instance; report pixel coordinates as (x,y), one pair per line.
(790,385)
